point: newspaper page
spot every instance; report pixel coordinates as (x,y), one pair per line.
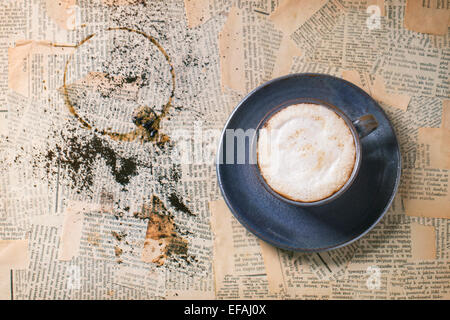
(110,117)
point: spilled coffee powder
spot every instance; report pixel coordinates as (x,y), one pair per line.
(178,204)
(79,155)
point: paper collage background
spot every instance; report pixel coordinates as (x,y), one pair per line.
(100,97)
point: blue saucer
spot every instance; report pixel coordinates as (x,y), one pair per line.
(310,229)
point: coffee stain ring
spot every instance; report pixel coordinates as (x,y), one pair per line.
(140,131)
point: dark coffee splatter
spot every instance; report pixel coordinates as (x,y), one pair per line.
(146,119)
(119,236)
(178,204)
(156,206)
(118,3)
(79,155)
(162,239)
(118,251)
(175,175)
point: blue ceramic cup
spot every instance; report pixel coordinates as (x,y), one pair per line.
(359,128)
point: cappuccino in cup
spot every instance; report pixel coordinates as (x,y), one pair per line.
(306,152)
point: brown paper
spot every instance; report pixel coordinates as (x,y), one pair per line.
(375,87)
(223,246)
(3,123)
(437,146)
(5,283)
(288,50)
(273,267)
(237,259)
(289,274)
(426,193)
(431,17)
(161,238)
(72,228)
(423,242)
(19,62)
(197,12)
(62,12)
(356,78)
(291,14)
(378,91)
(445,114)
(14,254)
(231,52)
(48,220)
(379,3)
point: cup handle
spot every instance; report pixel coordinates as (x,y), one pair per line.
(365,125)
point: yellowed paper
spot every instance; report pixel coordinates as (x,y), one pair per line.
(356,78)
(426,207)
(48,220)
(362,282)
(379,3)
(237,258)
(108,239)
(431,17)
(291,14)
(288,50)
(436,142)
(5,283)
(197,12)
(231,52)
(376,88)
(223,243)
(72,229)
(445,114)
(426,193)
(378,91)
(289,274)
(4,123)
(20,63)
(273,267)
(14,254)
(417,280)
(62,12)
(423,242)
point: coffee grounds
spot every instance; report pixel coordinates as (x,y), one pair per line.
(178,204)
(78,156)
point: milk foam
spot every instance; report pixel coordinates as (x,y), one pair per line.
(306,152)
